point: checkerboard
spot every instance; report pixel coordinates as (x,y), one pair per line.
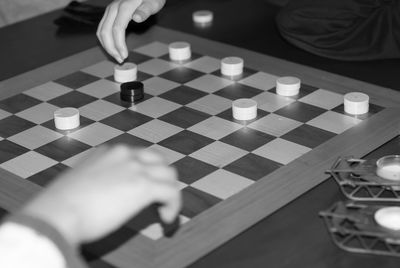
(185,115)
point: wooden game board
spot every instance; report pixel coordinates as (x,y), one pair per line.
(261,176)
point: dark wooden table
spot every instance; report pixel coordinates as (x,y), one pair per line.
(294,236)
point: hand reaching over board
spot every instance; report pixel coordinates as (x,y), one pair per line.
(111,30)
(108,188)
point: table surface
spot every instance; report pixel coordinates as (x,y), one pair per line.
(294,236)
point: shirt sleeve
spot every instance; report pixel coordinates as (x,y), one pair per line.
(26,241)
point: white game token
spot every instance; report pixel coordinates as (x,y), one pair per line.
(356,103)
(179,51)
(66,118)
(288,86)
(388,217)
(126,72)
(244,109)
(203,17)
(232,66)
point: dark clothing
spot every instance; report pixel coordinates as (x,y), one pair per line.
(343,29)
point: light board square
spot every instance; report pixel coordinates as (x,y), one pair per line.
(95,134)
(28,164)
(170,155)
(155,130)
(4,114)
(39,114)
(275,125)
(218,154)
(99,110)
(271,102)
(156,66)
(215,127)
(35,137)
(102,69)
(48,91)
(154,49)
(155,107)
(334,122)
(281,151)
(78,158)
(209,83)
(260,80)
(222,183)
(211,104)
(205,64)
(157,85)
(100,88)
(323,98)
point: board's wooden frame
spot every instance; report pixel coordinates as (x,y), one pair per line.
(232,216)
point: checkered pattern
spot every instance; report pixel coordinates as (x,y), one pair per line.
(185,115)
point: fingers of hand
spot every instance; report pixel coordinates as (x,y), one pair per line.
(146,9)
(169,196)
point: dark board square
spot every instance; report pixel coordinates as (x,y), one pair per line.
(196,201)
(227,115)
(308,136)
(183,95)
(246,72)
(252,166)
(72,99)
(10,150)
(83,122)
(76,80)
(181,75)
(62,149)
(190,169)
(116,99)
(46,176)
(126,120)
(12,125)
(299,111)
(99,263)
(238,91)
(137,58)
(304,91)
(129,140)
(247,139)
(186,142)
(373,109)
(184,117)
(18,103)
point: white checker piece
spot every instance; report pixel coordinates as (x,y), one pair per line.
(334,122)
(323,99)
(215,128)
(219,154)
(78,158)
(155,130)
(156,66)
(170,155)
(95,134)
(154,49)
(99,110)
(28,164)
(100,89)
(271,102)
(260,80)
(211,104)
(204,64)
(275,125)
(155,107)
(4,114)
(39,114)
(47,91)
(102,69)
(154,231)
(157,85)
(222,183)
(35,137)
(209,83)
(281,151)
